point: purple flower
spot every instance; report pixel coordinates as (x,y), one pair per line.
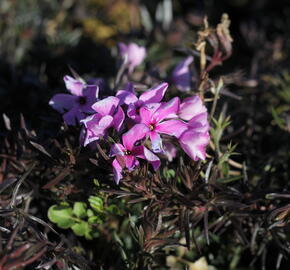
(108,114)
(153,116)
(77,104)
(181,75)
(127,152)
(132,54)
(128,97)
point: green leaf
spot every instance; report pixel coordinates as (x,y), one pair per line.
(94,220)
(114,209)
(80,209)
(96,203)
(80,229)
(61,215)
(90,213)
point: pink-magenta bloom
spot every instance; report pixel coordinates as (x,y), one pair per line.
(76,105)
(108,114)
(181,75)
(152,95)
(127,152)
(132,54)
(193,110)
(194,143)
(153,116)
(196,138)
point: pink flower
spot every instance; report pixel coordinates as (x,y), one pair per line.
(76,105)
(127,152)
(153,116)
(152,95)
(181,75)
(194,143)
(194,140)
(193,110)
(109,114)
(132,54)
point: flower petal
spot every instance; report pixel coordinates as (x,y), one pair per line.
(130,162)
(89,137)
(135,134)
(62,102)
(147,111)
(117,171)
(142,152)
(194,144)
(96,127)
(156,142)
(117,149)
(152,158)
(199,123)
(73,85)
(172,127)
(155,94)
(146,115)
(106,106)
(119,118)
(90,94)
(181,75)
(167,110)
(133,113)
(136,55)
(126,97)
(169,151)
(73,116)
(191,107)
(91,120)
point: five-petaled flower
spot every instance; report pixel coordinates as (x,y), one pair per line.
(152,95)
(108,114)
(78,104)
(126,154)
(154,116)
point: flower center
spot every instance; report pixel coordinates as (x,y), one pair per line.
(127,152)
(82,100)
(151,127)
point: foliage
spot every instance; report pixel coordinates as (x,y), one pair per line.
(60,207)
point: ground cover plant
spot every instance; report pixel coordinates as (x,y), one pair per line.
(144,135)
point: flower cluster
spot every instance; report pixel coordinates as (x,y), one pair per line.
(144,127)
(146,124)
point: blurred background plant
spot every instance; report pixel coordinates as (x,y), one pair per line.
(230,212)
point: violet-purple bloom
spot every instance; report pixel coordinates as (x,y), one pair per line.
(181,75)
(108,114)
(152,95)
(127,153)
(132,54)
(76,105)
(153,116)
